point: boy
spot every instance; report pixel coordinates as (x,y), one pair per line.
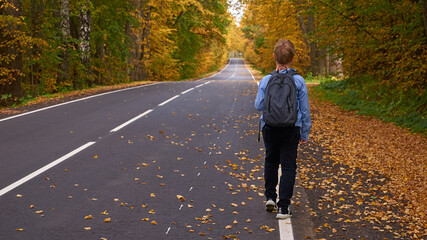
(281,143)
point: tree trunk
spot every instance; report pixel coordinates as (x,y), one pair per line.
(35,52)
(145,57)
(425,17)
(135,44)
(10,54)
(314,52)
(66,34)
(84,37)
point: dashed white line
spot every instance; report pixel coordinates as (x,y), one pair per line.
(73,101)
(45,168)
(191,188)
(198,174)
(181,206)
(170,99)
(186,91)
(131,121)
(169,228)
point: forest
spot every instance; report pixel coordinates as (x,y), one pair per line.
(378,47)
(49,46)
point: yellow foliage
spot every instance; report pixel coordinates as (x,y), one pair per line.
(272,24)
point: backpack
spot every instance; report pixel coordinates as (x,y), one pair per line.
(280,101)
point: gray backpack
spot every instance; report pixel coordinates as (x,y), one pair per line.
(280,101)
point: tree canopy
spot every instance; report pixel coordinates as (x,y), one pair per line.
(54,45)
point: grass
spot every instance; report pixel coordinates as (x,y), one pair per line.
(365,96)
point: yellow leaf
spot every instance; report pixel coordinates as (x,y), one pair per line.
(88,217)
(145,219)
(87,228)
(107,220)
(18,195)
(153,222)
(228,227)
(152,195)
(19,229)
(180,197)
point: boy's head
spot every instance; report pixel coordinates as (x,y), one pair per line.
(284,51)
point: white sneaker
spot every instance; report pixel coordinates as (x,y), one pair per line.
(270,205)
(283,213)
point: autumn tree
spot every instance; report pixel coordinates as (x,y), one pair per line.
(57,45)
(263,25)
(10,50)
(384,39)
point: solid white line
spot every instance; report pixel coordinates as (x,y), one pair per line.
(170,99)
(250,72)
(186,91)
(218,72)
(285,226)
(232,76)
(130,121)
(45,168)
(198,86)
(73,101)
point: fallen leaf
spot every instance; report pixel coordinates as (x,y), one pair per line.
(180,197)
(107,220)
(88,217)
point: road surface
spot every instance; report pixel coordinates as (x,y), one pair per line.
(174,160)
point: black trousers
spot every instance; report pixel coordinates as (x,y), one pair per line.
(281,146)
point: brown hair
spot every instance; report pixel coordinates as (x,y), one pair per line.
(284,51)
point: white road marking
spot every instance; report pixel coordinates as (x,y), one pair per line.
(285,229)
(73,101)
(198,174)
(181,207)
(186,91)
(65,157)
(219,71)
(285,226)
(190,189)
(170,99)
(45,168)
(250,72)
(131,121)
(168,230)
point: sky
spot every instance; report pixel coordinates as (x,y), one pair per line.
(236,9)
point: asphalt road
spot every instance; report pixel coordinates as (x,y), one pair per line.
(175,160)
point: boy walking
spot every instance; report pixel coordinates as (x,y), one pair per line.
(281,143)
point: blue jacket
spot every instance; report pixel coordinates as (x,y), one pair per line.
(304,119)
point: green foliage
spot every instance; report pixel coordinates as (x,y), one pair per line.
(364,95)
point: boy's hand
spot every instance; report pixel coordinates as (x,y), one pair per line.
(302,141)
